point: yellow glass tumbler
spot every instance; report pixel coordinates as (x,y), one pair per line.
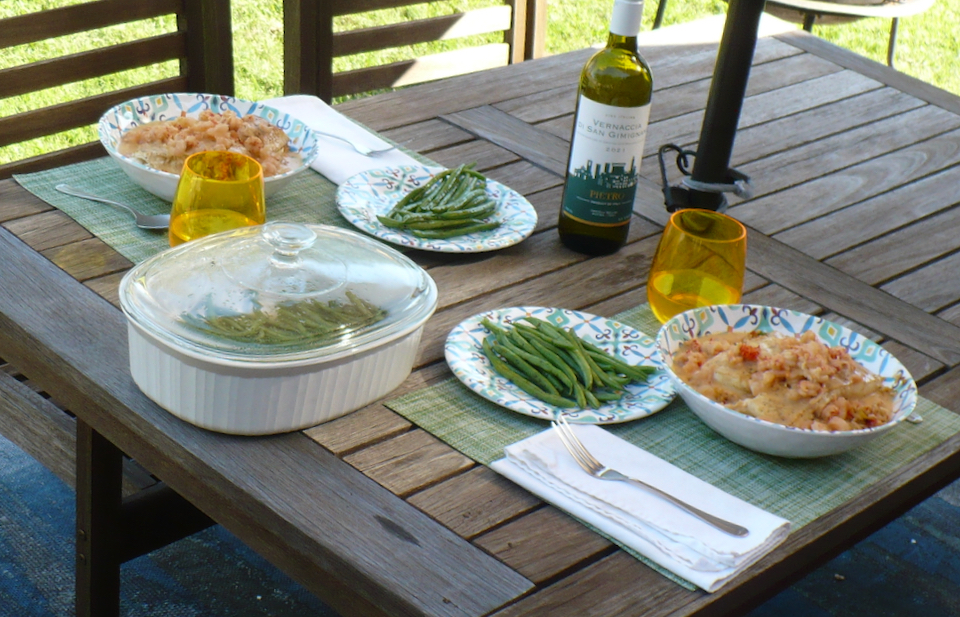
(217,191)
(700,261)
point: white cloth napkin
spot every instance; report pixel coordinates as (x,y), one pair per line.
(677,541)
(337,160)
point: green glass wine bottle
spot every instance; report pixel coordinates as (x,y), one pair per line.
(606,147)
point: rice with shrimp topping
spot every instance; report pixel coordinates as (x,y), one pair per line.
(166,144)
(791,380)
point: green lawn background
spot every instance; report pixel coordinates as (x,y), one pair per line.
(928,46)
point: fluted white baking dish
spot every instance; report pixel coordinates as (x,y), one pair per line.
(233,383)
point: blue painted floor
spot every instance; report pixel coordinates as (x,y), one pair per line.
(909,568)
(209,574)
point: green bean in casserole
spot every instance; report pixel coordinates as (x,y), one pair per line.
(304,323)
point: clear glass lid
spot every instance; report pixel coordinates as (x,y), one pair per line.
(278,292)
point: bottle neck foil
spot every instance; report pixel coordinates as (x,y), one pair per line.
(626,18)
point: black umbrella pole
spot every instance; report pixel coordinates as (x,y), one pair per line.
(727,91)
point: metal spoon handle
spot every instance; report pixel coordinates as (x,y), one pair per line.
(69,190)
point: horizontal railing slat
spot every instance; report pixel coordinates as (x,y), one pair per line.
(74,114)
(94,63)
(436,66)
(51,23)
(351,7)
(480,21)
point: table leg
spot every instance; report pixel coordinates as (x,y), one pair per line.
(99,473)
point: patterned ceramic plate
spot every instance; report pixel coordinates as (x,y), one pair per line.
(768,437)
(466,360)
(368,194)
(125,116)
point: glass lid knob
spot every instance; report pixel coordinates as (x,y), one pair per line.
(287,240)
(292,264)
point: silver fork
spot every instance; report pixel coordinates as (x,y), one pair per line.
(598,470)
(365,151)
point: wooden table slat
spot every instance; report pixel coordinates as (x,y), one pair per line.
(834,191)
(540,148)
(544,544)
(409,462)
(865,66)
(685,130)
(851,226)
(475,502)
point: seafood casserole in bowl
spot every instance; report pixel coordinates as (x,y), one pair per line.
(783,382)
(151,136)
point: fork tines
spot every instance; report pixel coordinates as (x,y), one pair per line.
(573,445)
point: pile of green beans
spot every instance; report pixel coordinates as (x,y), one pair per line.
(452,203)
(299,324)
(556,366)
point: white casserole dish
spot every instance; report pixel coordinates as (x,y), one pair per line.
(247,387)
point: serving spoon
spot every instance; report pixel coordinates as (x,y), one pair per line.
(144,221)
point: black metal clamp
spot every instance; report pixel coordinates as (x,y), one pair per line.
(678,197)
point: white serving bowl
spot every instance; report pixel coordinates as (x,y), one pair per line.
(769,437)
(247,387)
(121,118)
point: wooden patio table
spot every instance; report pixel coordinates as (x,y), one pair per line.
(855,167)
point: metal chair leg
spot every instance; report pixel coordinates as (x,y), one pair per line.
(661,9)
(892,46)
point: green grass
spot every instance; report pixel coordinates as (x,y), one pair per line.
(927,48)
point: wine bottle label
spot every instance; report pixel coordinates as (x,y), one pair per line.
(604,162)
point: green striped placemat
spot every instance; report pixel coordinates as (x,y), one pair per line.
(797,490)
(309,198)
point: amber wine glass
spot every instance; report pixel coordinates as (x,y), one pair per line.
(217,191)
(700,261)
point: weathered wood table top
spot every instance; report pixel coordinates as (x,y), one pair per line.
(855,169)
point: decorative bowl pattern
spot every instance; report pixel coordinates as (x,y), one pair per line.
(769,437)
(163,184)
(368,194)
(463,351)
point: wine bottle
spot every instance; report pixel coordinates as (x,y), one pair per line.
(606,147)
